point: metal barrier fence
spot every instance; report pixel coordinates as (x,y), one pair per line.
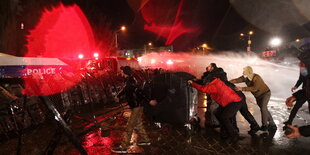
(18,111)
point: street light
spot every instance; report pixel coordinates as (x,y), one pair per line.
(22,26)
(249,42)
(80,56)
(204,47)
(96,56)
(123,28)
(250,33)
(275,42)
(149,44)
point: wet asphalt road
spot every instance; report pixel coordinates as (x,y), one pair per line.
(168,139)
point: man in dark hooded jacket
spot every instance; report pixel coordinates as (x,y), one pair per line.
(135,98)
(299,96)
(304,57)
(213,72)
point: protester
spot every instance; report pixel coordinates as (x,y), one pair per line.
(212,71)
(215,72)
(299,96)
(261,92)
(135,99)
(304,57)
(229,102)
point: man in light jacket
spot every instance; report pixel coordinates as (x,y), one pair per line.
(256,85)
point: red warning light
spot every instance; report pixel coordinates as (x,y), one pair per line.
(96,55)
(81,56)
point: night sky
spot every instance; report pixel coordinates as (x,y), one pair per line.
(218,23)
(215,22)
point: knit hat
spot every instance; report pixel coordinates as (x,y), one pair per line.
(249,72)
(127,70)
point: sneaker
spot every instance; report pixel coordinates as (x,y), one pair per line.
(144,143)
(119,150)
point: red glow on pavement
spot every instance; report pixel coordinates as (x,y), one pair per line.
(64,33)
(153,13)
(95,144)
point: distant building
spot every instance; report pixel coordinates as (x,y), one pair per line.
(134,53)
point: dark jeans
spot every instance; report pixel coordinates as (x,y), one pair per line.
(225,115)
(298,104)
(244,111)
(211,119)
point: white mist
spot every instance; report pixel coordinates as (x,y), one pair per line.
(279,78)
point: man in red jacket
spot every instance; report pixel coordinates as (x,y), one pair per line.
(229,101)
